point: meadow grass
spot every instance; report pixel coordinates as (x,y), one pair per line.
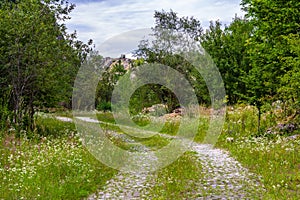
(53,165)
(273,156)
(270,154)
(153,143)
(179,180)
(167,126)
(106,117)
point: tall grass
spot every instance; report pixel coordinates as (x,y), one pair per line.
(180,180)
(271,154)
(50,164)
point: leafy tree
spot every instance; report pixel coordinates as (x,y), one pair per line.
(106,84)
(168,33)
(39,60)
(227,49)
(289,91)
(268,47)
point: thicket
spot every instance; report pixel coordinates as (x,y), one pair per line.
(38,59)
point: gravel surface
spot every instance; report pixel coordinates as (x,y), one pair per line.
(224,177)
(130,185)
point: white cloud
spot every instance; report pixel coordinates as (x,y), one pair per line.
(101,20)
(124,43)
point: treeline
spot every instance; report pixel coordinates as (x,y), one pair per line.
(257,54)
(38,59)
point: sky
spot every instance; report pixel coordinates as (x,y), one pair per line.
(101,20)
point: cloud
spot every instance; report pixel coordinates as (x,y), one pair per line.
(123,44)
(101,20)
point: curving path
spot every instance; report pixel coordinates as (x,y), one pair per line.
(129,185)
(224,177)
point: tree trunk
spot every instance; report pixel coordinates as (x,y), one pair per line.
(259,119)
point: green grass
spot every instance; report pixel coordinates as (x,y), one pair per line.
(53,165)
(276,160)
(49,126)
(106,117)
(169,127)
(154,143)
(178,180)
(272,156)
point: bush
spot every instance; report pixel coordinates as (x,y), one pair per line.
(104,106)
(141,120)
(5,114)
(53,127)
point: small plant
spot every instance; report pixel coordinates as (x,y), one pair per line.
(104,106)
(141,120)
(53,127)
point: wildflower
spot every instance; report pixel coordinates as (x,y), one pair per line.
(229,139)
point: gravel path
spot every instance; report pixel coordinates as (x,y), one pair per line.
(127,185)
(224,178)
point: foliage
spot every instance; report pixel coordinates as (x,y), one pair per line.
(39,60)
(52,127)
(290,82)
(270,53)
(169,33)
(227,49)
(5,112)
(106,85)
(152,94)
(104,106)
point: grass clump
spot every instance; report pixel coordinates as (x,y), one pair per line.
(106,117)
(178,180)
(49,126)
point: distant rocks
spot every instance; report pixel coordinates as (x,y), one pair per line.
(160,110)
(156,110)
(109,62)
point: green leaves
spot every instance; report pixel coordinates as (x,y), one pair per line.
(39,60)
(228,50)
(272,52)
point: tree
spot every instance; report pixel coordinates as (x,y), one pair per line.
(109,78)
(169,33)
(39,60)
(289,91)
(227,49)
(268,49)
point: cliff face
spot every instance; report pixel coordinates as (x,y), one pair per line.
(110,62)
